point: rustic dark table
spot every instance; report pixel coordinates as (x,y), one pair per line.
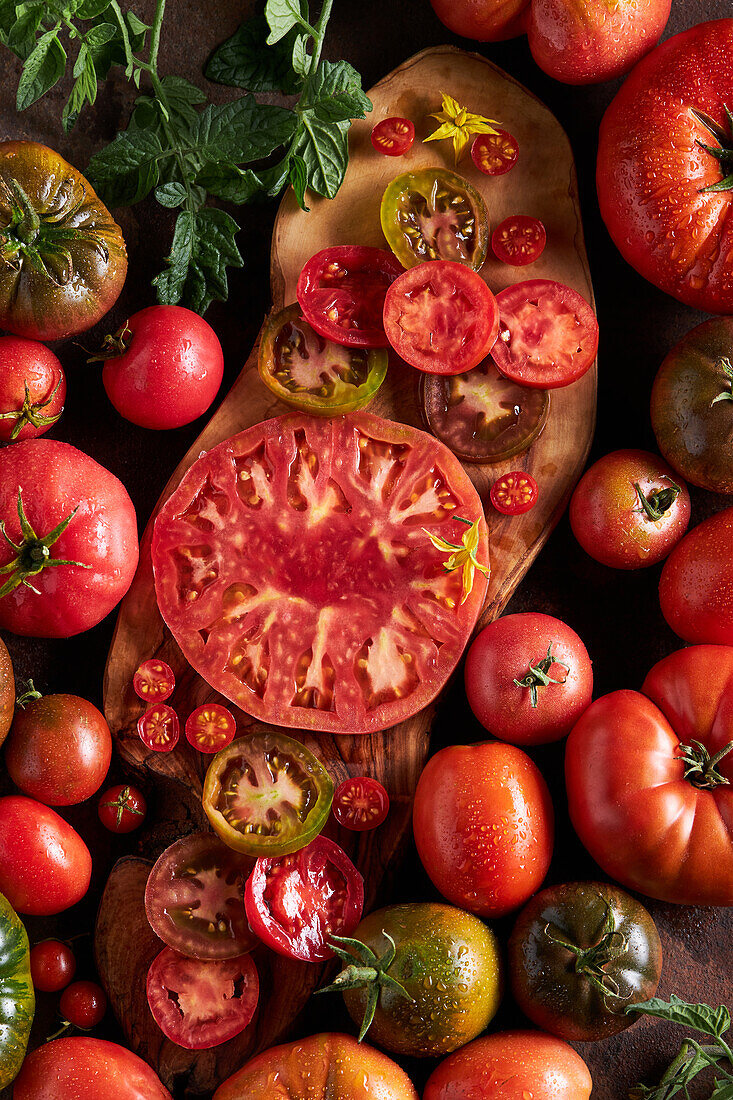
(617,614)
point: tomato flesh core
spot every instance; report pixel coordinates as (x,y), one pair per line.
(211,727)
(154,681)
(393,136)
(495,154)
(435,215)
(159,728)
(514,493)
(519,240)
(360,803)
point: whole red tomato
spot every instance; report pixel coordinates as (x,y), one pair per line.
(7,691)
(696,586)
(32,389)
(656,180)
(483,20)
(122,809)
(528,678)
(629,509)
(648,779)
(70,548)
(483,824)
(163,368)
(45,866)
(76,1067)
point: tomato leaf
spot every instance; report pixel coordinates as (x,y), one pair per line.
(282,16)
(700,1017)
(19,34)
(240,132)
(90,9)
(245,61)
(298,177)
(324,150)
(203,248)
(336,94)
(84,90)
(43,69)
(127,170)
(241,185)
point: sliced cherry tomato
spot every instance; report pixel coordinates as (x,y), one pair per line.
(122,809)
(495,154)
(154,681)
(341,292)
(441,317)
(314,374)
(393,136)
(297,902)
(199,1004)
(435,214)
(211,727)
(159,728)
(481,415)
(514,494)
(519,240)
(548,334)
(83,1005)
(194,898)
(360,803)
(53,965)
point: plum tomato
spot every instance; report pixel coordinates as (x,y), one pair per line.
(519,240)
(7,692)
(267,794)
(393,136)
(122,809)
(154,681)
(528,678)
(159,728)
(163,368)
(314,374)
(83,1005)
(293,569)
(514,493)
(486,21)
(696,586)
(295,903)
(360,803)
(629,509)
(59,749)
(341,293)
(80,1066)
(32,389)
(45,866)
(580,955)
(441,317)
(434,214)
(211,727)
(199,1004)
(53,965)
(484,826)
(495,154)
(194,898)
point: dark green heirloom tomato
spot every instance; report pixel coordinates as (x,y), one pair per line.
(17,999)
(579,955)
(435,214)
(62,256)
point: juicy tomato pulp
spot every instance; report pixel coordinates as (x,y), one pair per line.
(514,493)
(296,903)
(519,240)
(159,728)
(393,136)
(292,567)
(434,214)
(198,1004)
(441,317)
(360,803)
(211,727)
(154,681)
(341,292)
(495,154)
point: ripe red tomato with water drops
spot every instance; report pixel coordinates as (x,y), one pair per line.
(393,136)
(514,494)
(159,728)
(122,809)
(154,681)
(519,240)
(360,803)
(341,292)
(53,965)
(295,903)
(495,154)
(45,866)
(211,727)
(696,586)
(485,21)
(32,389)
(83,1005)
(81,1066)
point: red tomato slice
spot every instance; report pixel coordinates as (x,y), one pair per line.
(548,334)
(341,292)
(360,803)
(159,728)
(441,317)
(393,136)
(199,1004)
(514,493)
(519,240)
(495,154)
(296,903)
(154,681)
(211,727)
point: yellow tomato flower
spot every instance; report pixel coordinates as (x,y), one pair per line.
(462,557)
(459,124)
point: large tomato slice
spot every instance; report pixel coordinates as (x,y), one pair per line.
(293,567)
(341,293)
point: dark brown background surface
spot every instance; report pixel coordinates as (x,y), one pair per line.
(617,614)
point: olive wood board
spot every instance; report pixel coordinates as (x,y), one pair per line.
(543,183)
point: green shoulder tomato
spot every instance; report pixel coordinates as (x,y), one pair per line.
(435,214)
(17,999)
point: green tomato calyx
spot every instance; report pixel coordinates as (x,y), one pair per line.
(114,345)
(701,769)
(659,501)
(723,151)
(538,676)
(724,364)
(30,412)
(591,962)
(33,554)
(364,971)
(30,695)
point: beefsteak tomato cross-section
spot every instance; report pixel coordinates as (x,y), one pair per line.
(295,569)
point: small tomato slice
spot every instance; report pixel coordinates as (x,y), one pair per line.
(519,240)
(159,728)
(435,214)
(360,803)
(393,136)
(495,154)
(199,1004)
(297,902)
(154,681)
(514,494)
(211,727)
(341,292)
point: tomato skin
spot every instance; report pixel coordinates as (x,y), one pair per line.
(53,965)
(67,1069)
(83,1004)
(468,795)
(483,20)
(393,136)
(696,586)
(7,692)
(122,809)
(360,803)
(45,866)
(29,363)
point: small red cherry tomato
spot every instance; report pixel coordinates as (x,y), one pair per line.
(52,966)
(514,493)
(495,154)
(122,809)
(211,727)
(154,681)
(360,803)
(83,1004)
(393,136)
(159,728)
(519,240)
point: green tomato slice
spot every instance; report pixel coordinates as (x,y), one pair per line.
(16,993)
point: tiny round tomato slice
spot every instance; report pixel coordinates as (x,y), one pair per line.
(548,334)
(211,727)
(441,317)
(341,293)
(519,240)
(514,493)
(435,214)
(159,728)
(154,681)
(199,1004)
(393,136)
(360,803)
(297,902)
(495,154)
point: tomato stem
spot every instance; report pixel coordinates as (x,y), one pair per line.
(29,412)
(538,675)
(701,767)
(726,366)
(33,553)
(723,151)
(114,345)
(659,501)
(364,971)
(590,962)
(28,696)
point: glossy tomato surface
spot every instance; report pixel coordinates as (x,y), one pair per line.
(122,808)
(484,826)
(654,174)
(484,20)
(360,803)
(435,214)
(32,389)
(696,586)
(7,691)
(265,553)
(72,1068)
(53,965)
(656,817)
(83,1004)
(341,293)
(45,866)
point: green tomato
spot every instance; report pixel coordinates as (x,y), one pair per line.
(17,999)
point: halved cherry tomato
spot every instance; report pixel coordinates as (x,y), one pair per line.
(435,214)
(211,727)
(514,493)
(519,240)
(154,681)
(159,728)
(360,803)
(548,334)
(314,374)
(341,292)
(441,317)
(393,136)
(495,154)
(122,809)
(199,1004)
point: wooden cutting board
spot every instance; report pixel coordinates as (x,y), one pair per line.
(542,184)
